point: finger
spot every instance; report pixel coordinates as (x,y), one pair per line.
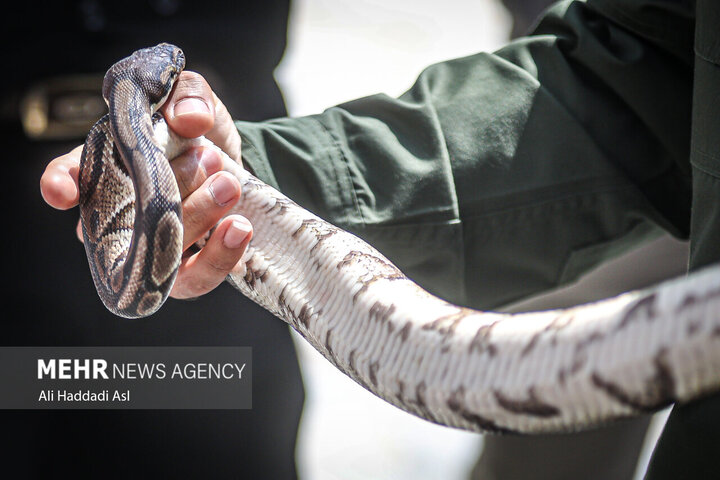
(194,167)
(59,181)
(190,108)
(78,232)
(205,270)
(203,208)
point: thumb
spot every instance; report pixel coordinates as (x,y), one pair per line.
(190,108)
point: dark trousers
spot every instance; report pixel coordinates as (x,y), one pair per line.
(691,440)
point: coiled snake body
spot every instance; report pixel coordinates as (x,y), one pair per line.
(534,372)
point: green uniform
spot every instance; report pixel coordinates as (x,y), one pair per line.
(498,176)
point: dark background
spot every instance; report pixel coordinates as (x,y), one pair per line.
(49,298)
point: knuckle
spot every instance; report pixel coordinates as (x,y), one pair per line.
(201,211)
(188,173)
(192,83)
(205,285)
(192,76)
(196,223)
(221,264)
(193,214)
(192,289)
(183,183)
(192,283)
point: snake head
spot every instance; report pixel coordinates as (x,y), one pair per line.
(150,72)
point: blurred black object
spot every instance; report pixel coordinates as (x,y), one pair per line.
(50,299)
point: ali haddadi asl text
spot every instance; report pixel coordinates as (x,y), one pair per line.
(84,396)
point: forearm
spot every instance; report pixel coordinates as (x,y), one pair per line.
(500,175)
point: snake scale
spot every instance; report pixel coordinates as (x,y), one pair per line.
(546,371)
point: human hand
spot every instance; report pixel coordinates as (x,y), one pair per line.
(207,192)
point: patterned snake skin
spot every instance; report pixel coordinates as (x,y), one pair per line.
(545,371)
(129,200)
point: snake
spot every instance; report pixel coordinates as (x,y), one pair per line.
(534,372)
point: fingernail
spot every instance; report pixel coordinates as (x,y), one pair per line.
(236,234)
(210,161)
(223,190)
(190,105)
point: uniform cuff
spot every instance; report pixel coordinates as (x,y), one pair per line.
(254,158)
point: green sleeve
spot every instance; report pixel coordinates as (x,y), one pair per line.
(502,175)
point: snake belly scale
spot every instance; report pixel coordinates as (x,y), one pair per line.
(548,371)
